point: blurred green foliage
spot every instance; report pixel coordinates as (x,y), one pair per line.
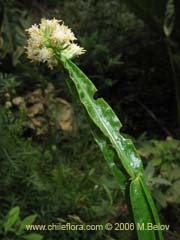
(55,181)
(163,169)
(13,224)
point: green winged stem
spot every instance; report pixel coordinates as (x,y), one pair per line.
(109,156)
(139,194)
(105,119)
(152,207)
(141,212)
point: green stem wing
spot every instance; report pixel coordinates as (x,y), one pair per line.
(141,211)
(109,156)
(105,119)
(151,206)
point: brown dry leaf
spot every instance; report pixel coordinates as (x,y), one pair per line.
(38,121)
(36,109)
(169,138)
(35,96)
(66,125)
(49,90)
(75,218)
(19,101)
(59,111)
(38,124)
(8,104)
(42,131)
(7,95)
(64,116)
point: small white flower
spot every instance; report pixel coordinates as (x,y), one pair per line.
(49,39)
(32,30)
(46,23)
(45,54)
(35,35)
(62,35)
(72,50)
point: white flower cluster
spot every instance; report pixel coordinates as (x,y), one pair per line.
(49,39)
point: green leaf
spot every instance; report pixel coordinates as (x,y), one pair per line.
(151,205)
(149,172)
(115,61)
(173,193)
(33,236)
(175,173)
(12,218)
(17,54)
(109,156)
(160,198)
(107,190)
(169,19)
(105,119)
(27,221)
(142,216)
(160,180)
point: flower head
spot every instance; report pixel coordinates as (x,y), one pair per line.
(49,39)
